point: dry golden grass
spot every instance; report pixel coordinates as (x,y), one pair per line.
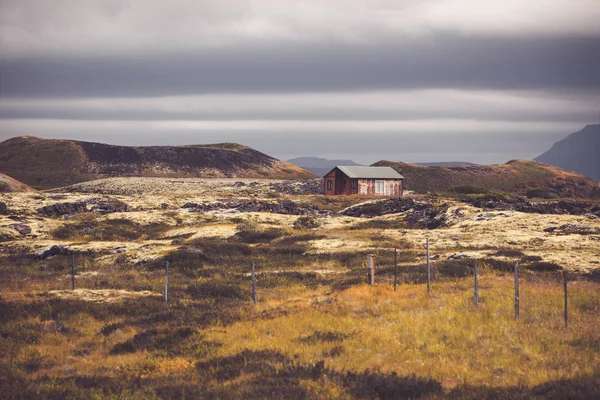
(317,332)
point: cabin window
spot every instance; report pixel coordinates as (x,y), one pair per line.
(353,184)
(329,185)
(380,187)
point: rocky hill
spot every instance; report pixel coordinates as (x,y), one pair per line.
(517,176)
(9,185)
(47,163)
(578,152)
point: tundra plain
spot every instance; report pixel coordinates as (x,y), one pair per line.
(318,330)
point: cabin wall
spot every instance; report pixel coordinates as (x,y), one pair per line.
(329,177)
(392,187)
(340,184)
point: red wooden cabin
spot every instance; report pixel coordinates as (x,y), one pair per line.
(371,181)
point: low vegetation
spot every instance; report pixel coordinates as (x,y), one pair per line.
(318,330)
(108,230)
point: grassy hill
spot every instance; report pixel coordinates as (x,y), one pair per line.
(518,176)
(8,185)
(47,163)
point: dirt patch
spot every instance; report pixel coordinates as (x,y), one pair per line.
(98,295)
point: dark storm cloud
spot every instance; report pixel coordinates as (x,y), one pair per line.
(438,62)
(407,80)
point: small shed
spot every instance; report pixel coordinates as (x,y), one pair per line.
(371,181)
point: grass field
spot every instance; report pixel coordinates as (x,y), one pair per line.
(317,331)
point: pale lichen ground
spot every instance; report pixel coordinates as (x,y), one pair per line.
(159,200)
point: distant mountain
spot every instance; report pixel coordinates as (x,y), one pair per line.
(319,166)
(47,163)
(579,152)
(444,163)
(517,176)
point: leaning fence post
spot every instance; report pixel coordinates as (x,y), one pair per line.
(516,290)
(370,269)
(72,271)
(253,285)
(167,282)
(428,270)
(566,309)
(395,268)
(475,286)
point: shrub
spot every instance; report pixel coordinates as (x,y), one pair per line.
(380,224)
(507,252)
(221,289)
(307,222)
(251,232)
(468,189)
(540,192)
(111,229)
(543,266)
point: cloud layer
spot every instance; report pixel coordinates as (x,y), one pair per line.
(437,79)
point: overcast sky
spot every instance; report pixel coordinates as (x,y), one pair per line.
(406,80)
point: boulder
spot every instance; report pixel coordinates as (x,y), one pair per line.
(108,206)
(21,228)
(60,209)
(52,251)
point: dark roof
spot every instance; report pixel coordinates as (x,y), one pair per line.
(369,172)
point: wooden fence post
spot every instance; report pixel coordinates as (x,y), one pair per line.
(72,271)
(566,309)
(370,269)
(475,286)
(395,268)
(254,300)
(517,290)
(167,282)
(428,270)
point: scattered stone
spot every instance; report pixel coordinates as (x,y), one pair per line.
(459,212)
(458,256)
(489,216)
(299,187)
(60,209)
(383,207)
(107,206)
(164,206)
(21,228)
(517,203)
(52,251)
(419,214)
(3,208)
(573,229)
(238,184)
(286,207)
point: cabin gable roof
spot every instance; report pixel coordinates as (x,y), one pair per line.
(359,172)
